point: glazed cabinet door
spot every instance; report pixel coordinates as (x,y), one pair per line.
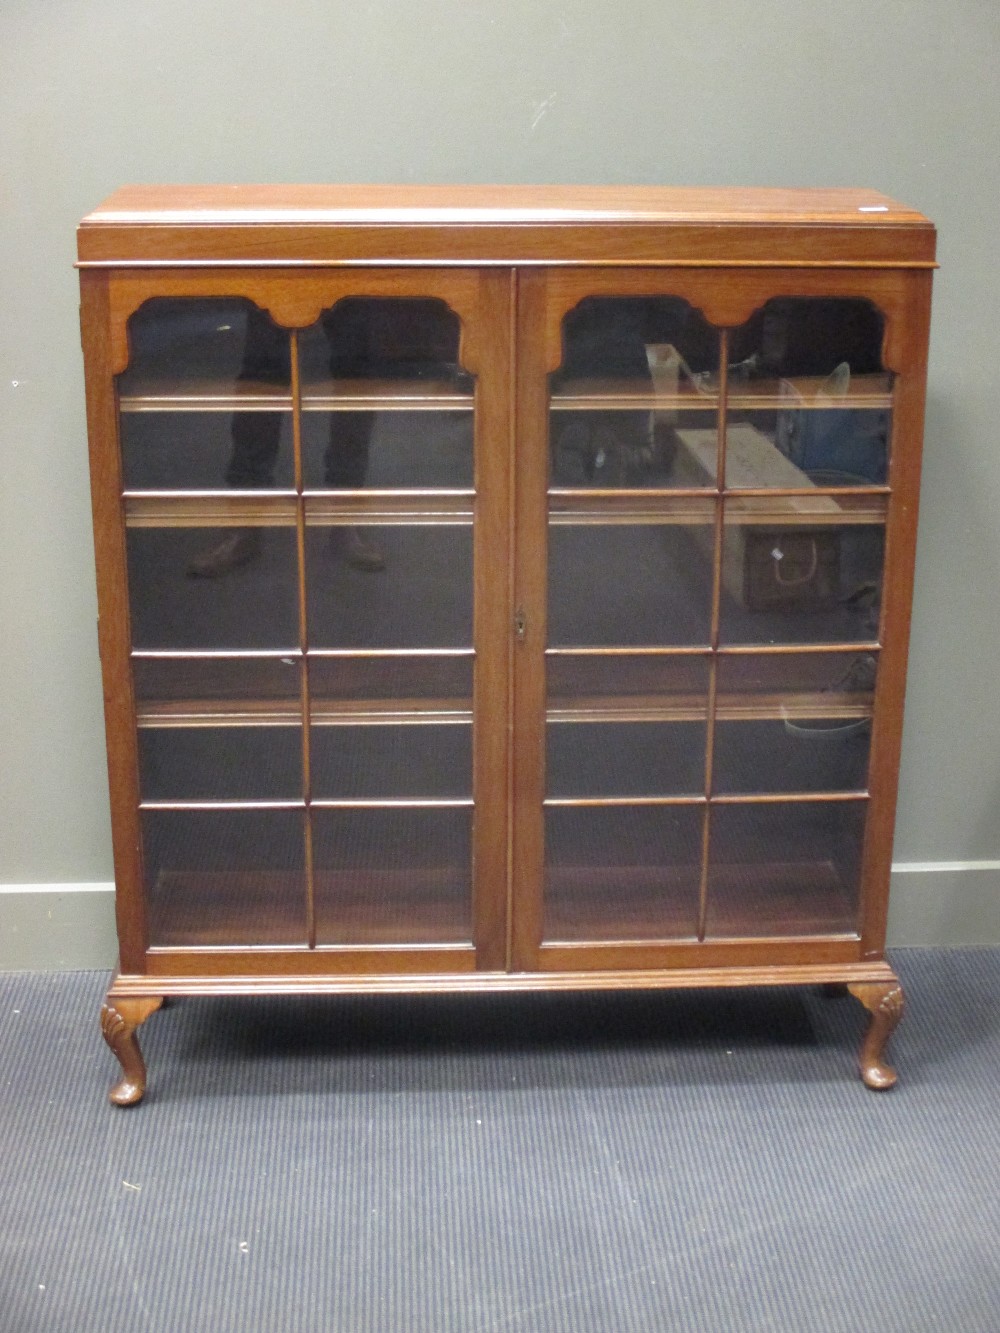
(709,675)
(307,474)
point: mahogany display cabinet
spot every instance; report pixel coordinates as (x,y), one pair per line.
(502,588)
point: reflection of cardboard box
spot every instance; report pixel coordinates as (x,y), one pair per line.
(774,557)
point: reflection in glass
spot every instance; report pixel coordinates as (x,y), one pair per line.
(634,371)
(802,569)
(625,758)
(804,337)
(629,584)
(254,606)
(233,763)
(393,876)
(622,872)
(419,595)
(176,688)
(797,722)
(170,451)
(785,869)
(425,682)
(224,877)
(639,682)
(809,400)
(206,400)
(804,755)
(365,366)
(396,760)
(401,450)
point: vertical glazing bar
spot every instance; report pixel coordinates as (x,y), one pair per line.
(713,662)
(300,545)
(511,601)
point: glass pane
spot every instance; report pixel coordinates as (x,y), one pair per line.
(225,877)
(643,683)
(626,724)
(630,583)
(802,569)
(426,684)
(794,722)
(396,876)
(622,872)
(213,588)
(182,689)
(634,372)
(388,449)
(391,586)
(785,869)
(625,759)
(419,761)
(206,400)
(386,404)
(232,763)
(808,397)
(804,444)
(416,740)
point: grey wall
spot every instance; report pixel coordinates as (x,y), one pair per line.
(895,94)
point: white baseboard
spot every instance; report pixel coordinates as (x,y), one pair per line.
(71,927)
(944,903)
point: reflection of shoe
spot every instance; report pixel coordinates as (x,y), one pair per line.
(239,548)
(356,547)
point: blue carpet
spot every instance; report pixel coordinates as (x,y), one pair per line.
(614,1163)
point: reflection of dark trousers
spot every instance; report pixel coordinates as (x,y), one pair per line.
(256,435)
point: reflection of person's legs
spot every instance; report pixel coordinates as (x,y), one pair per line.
(346,469)
(255,443)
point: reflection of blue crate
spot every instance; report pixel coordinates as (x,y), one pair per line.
(850,441)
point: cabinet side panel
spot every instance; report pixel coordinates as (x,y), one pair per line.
(901,540)
(113,618)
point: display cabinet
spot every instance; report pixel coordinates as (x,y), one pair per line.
(502,588)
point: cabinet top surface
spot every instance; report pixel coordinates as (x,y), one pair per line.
(499,223)
(508,204)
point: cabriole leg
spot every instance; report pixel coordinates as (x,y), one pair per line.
(119,1020)
(884,1001)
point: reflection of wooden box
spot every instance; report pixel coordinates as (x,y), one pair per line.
(780,552)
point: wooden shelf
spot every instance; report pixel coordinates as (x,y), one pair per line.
(288,712)
(266,908)
(628,395)
(635,395)
(816,706)
(805,508)
(625,903)
(216,509)
(279,509)
(819,706)
(399,395)
(147,393)
(865,391)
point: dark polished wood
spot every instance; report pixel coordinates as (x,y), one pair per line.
(884,1002)
(120,1016)
(265,224)
(511,265)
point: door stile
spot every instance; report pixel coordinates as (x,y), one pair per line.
(493,358)
(530,631)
